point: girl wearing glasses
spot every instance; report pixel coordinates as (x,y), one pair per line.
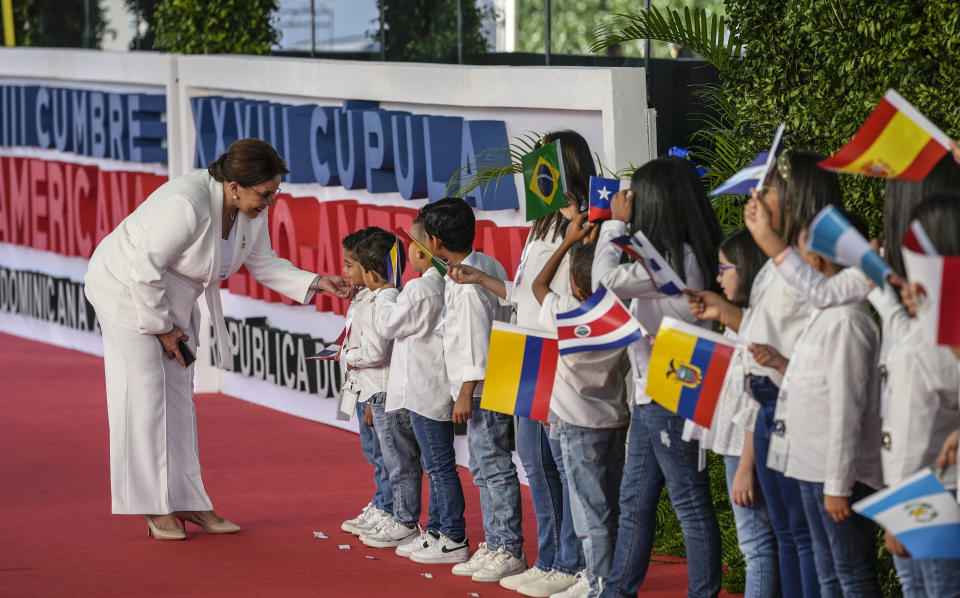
(144,280)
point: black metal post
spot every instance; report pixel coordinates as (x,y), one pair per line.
(383,44)
(546,32)
(646,42)
(459,31)
(313,28)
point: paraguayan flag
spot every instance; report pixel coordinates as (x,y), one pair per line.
(919,511)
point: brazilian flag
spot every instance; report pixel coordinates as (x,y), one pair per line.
(543,180)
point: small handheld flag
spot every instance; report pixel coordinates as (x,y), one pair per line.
(521,367)
(395,265)
(687,368)
(685,154)
(896,141)
(601,322)
(832,235)
(756,172)
(543,180)
(437,262)
(331,350)
(601,193)
(920,513)
(939,280)
(641,249)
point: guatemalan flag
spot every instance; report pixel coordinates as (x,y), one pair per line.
(939,279)
(601,322)
(641,249)
(601,193)
(919,511)
(753,175)
(832,235)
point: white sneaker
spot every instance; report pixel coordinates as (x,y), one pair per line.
(424,540)
(351,524)
(580,589)
(390,535)
(548,585)
(521,579)
(476,562)
(374,520)
(502,564)
(444,550)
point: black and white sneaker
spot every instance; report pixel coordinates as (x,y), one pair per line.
(389,535)
(424,540)
(444,550)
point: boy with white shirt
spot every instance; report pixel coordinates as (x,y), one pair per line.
(588,413)
(827,434)
(380,509)
(418,384)
(467,320)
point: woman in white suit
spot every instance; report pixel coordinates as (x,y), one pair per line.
(144,280)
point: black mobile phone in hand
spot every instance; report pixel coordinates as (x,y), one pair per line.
(188,355)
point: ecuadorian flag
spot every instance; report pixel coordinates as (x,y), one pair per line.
(896,141)
(687,368)
(521,366)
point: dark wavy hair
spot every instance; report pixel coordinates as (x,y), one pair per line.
(743,252)
(806,190)
(248,162)
(903,196)
(578,167)
(940,217)
(671,207)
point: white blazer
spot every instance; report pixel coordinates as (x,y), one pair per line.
(148,273)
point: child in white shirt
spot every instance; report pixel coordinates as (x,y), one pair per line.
(418,384)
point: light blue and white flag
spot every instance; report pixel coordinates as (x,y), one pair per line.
(833,236)
(753,175)
(642,250)
(919,511)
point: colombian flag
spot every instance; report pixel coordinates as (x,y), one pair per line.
(687,368)
(395,265)
(896,142)
(521,366)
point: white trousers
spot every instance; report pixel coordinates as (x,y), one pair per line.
(154,461)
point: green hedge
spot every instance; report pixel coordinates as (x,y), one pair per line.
(223,27)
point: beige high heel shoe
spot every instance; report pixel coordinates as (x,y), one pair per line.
(211,527)
(163,534)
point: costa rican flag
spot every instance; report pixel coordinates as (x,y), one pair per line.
(939,280)
(920,513)
(832,235)
(642,250)
(601,322)
(754,174)
(601,193)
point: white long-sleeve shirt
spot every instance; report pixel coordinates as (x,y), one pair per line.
(830,401)
(536,254)
(647,304)
(919,398)
(468,316)
(418,377)
(366,351)
(735,409)
(850,285)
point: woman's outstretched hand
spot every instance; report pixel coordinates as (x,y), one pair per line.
(336,285)
(169,340)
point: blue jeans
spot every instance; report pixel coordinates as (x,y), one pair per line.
(495,475)
(594,460)
(558,547)
(845,552)
(798,569)
(440,463)
(657,455)
(401,457)
(370,445)
(756,539)
(928,578)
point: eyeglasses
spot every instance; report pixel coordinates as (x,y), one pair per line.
(721,268)
(266,196)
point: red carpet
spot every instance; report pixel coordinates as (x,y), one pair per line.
(279,476)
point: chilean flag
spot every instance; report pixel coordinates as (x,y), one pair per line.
(601,193)
(601,322)
(939,279)
(642,250)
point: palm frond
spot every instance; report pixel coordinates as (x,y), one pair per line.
(493,164)
(711,38)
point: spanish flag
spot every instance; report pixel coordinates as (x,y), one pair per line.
(896,142)
(521,366)
(687,368)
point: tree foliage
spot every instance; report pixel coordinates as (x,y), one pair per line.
(426,30)
(56,24)
(215,27)
(144,10)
